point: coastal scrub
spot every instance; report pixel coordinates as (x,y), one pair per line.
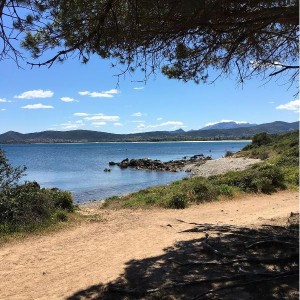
(27,207)
(279,170)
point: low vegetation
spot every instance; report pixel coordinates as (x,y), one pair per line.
(279,170)
(279,150)
(28,207)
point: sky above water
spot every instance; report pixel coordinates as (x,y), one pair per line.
(72,95)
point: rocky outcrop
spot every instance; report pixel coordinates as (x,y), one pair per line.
(157,165)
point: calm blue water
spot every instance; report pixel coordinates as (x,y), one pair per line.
(79,167)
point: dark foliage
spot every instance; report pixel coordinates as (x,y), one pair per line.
(9,176)
(178,202)
(185,39)
(261,139)
(27,206)
(259,179)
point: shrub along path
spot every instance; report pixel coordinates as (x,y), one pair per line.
(143,249)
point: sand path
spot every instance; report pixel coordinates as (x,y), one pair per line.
(57,265)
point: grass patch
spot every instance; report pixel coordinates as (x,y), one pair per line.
(42,228)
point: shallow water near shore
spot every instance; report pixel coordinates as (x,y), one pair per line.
(79,167)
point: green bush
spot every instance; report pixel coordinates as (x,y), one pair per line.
(247,147)
(26,204)
(257,179)
(152,199)
(225,190)
(261,139)
(61,199)
(288,161)
(228,153)
(263,155)
(270,172)
(291,175)
(178,202)
(60,216)
(204,191)
(263,185)
(9,176)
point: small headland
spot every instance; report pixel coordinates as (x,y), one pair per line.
(158,165)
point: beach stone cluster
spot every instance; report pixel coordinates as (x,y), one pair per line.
(157,165)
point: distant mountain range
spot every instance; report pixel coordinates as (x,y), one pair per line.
(75,136)
(228,125)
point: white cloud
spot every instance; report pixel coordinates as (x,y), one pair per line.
(174,124)
(112,91)
(71,125)
(141,126)
(3,100)
(271,102)
(98,123)
(101,117)
(159,119)
(100,95)
(67,99)
(118,124)
(35,94)
(137,121)
(81,114)
(292,105)
(97,119)
(138,88)
(37,106)
(137,114)
(103,94)
(84,93)
(226,121)
(169,123)
(2,109)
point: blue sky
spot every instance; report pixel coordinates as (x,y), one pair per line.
(72,96)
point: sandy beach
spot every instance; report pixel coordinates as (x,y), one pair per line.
(78,261)
(220,166)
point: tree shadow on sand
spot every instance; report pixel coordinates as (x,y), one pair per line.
(228,262)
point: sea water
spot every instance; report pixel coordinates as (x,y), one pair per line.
(79,167)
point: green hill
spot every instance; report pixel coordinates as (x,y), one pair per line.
(75,136)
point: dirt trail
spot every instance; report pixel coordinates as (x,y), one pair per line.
(57,265)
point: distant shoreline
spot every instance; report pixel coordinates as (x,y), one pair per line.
(140,142)
(91,136)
